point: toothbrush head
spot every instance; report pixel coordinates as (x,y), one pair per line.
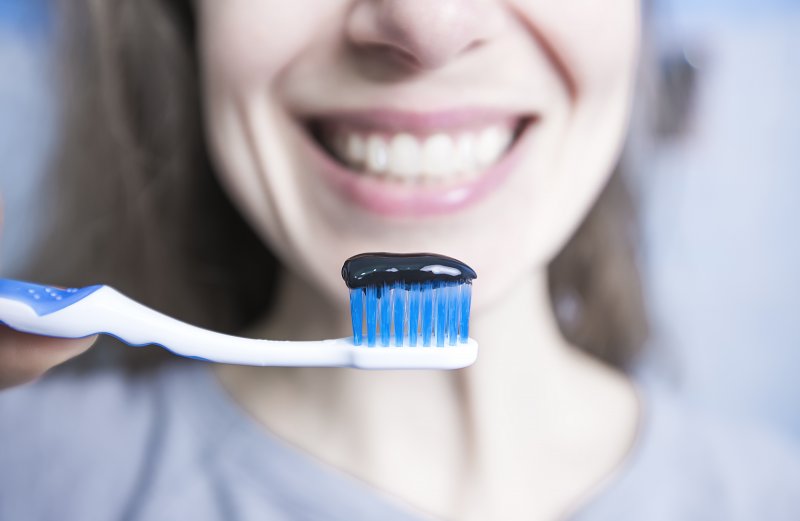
(409,300)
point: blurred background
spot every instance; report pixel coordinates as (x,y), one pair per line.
(717,179)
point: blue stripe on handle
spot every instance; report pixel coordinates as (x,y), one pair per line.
(43,299)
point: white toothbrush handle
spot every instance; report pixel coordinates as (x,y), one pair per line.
(81,312)
(108,311)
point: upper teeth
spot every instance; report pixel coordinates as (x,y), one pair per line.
(405,156)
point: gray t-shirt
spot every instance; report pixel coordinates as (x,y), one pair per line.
(171,445)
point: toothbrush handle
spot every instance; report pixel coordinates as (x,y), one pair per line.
(25,357)
(38,309)
(81,312)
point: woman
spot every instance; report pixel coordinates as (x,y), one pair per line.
(483,130)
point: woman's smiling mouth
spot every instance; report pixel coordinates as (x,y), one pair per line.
(415,164)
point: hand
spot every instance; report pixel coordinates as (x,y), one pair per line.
(25,357)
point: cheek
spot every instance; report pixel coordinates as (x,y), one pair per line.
(595,42)
(248,42)
(595,46)
(245,45)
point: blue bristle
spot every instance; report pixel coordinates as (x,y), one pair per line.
(466,297)
(399,310)
(429,309)
(427,313)
(413,313)
(372,314)
(386,313)
(357,314)
(452,314)
(441,313)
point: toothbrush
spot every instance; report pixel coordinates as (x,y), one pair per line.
(424,299)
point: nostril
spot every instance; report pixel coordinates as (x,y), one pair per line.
(391,55)
(473,45)
(420,33)
(399,55)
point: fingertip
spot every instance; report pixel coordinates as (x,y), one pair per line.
(25,357)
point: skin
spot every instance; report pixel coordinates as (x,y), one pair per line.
(23,358)
(535,427)
(534,418)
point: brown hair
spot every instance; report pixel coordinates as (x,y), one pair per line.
(140,208)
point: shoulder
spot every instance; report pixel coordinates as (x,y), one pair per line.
(67,406)
(688,465)
(751,469)
(84,441)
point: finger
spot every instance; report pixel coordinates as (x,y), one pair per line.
(25,357)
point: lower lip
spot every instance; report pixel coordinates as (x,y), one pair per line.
(396,199)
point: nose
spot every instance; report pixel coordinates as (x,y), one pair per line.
(426,34)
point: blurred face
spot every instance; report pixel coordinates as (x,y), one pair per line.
(479,129)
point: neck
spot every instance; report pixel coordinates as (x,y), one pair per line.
(301,312)
(529,388)
(519,337)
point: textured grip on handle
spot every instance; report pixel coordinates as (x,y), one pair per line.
(43,299)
